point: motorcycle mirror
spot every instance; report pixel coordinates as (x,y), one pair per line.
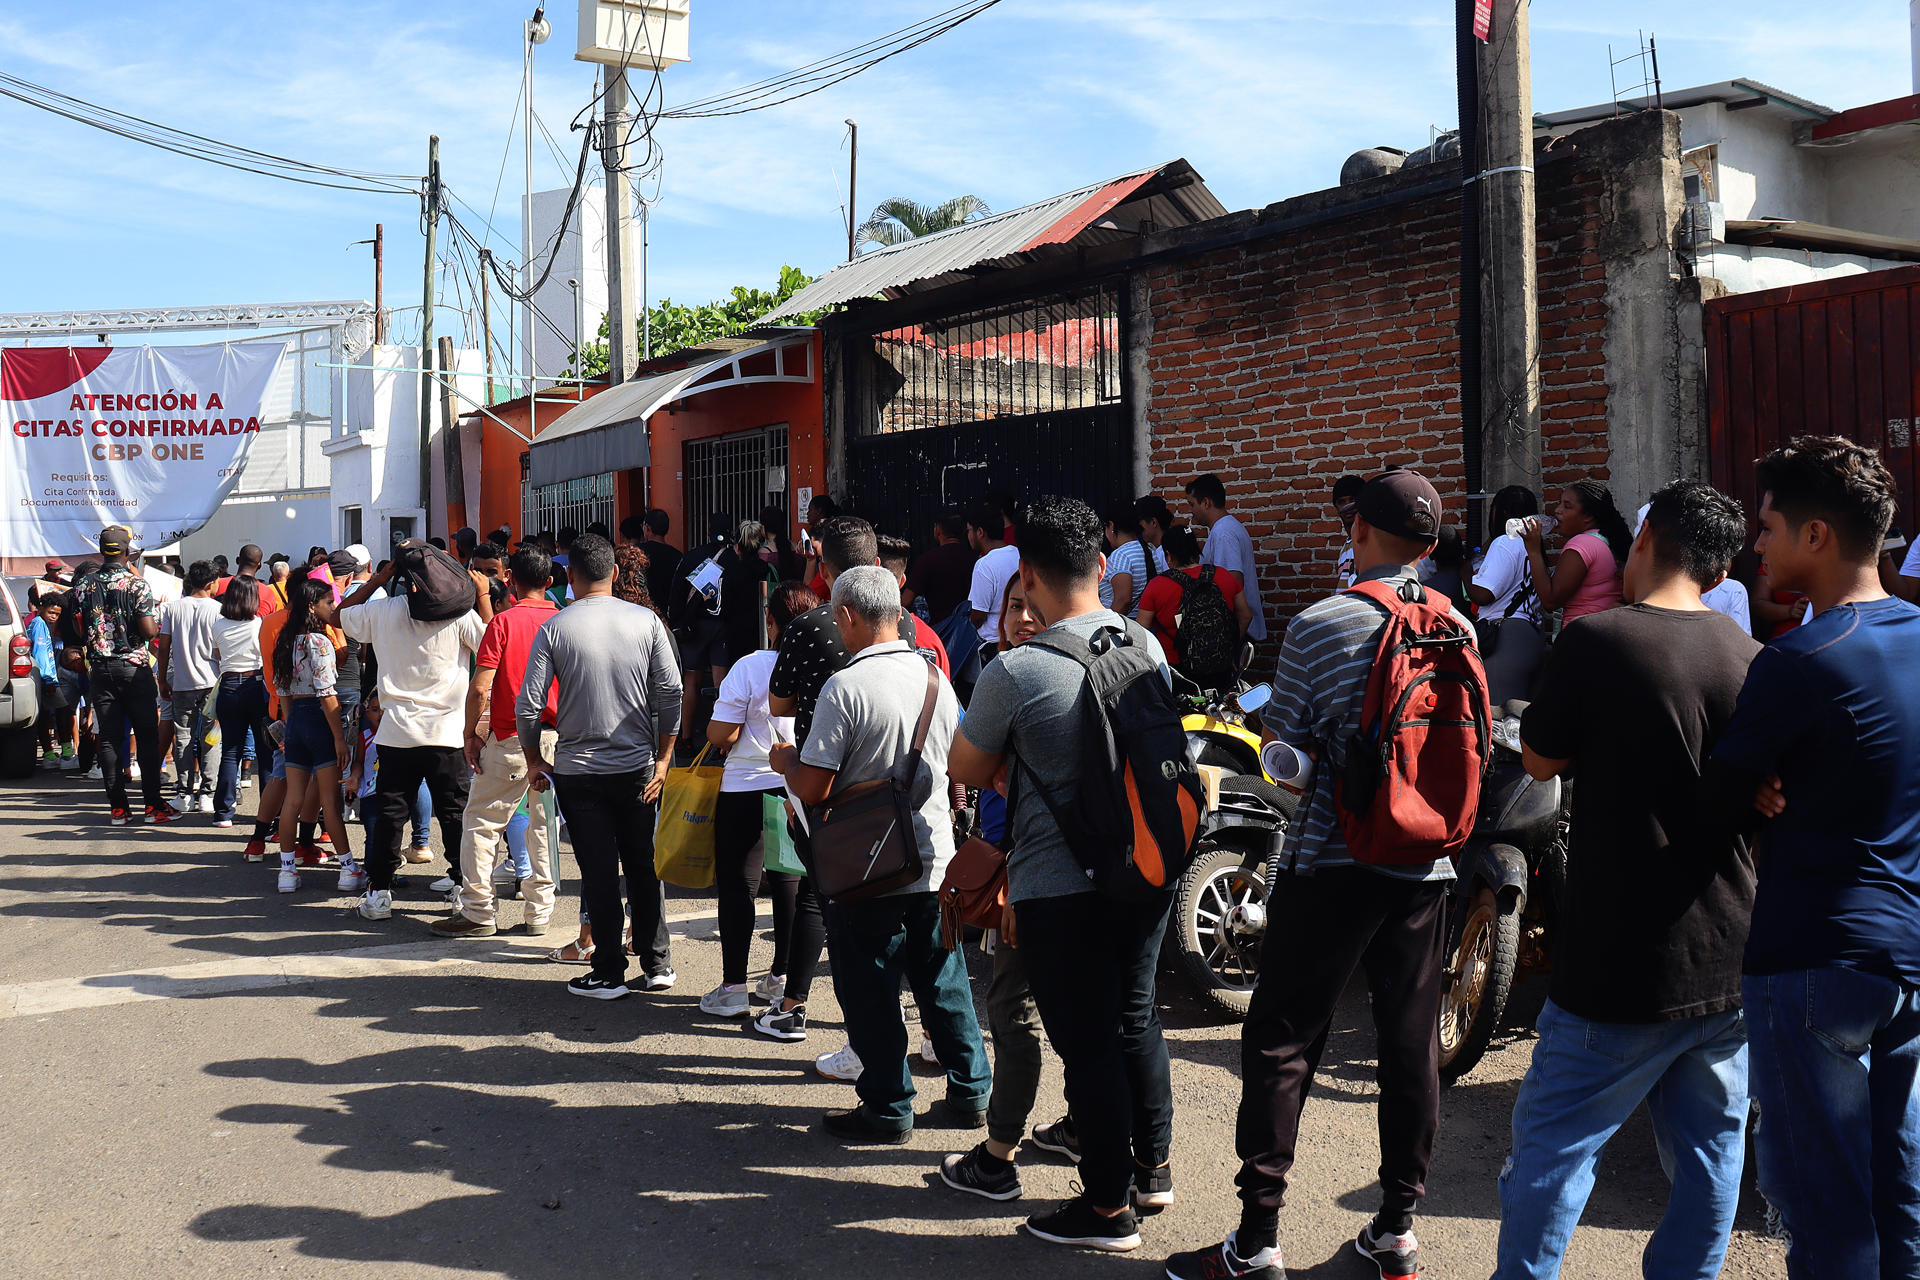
(1251,700)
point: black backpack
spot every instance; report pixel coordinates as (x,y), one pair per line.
(437,587)
(1134,814)
(1208,636)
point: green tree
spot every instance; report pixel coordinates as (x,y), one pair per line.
(899,220)
(675,326)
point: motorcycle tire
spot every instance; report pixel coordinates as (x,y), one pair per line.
(1222,969)
(1482,956)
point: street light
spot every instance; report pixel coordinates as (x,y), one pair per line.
(538,28)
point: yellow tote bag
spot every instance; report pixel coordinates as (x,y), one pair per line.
(683,838)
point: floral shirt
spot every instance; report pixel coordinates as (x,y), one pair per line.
(110,603)
(314,669)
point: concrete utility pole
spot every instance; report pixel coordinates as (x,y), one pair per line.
(486,320)
(380,280)
(1510,333)
(426,336)
(622,344)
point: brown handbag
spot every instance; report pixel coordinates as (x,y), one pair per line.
(863,840)
(975,893)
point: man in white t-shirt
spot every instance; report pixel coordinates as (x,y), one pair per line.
(1905,584)
(1228,545)
(996,566)
(423,692)
(189,679)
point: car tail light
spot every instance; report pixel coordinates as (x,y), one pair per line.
(20,658)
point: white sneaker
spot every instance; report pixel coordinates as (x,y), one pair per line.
(443,885)
(94,775)
(352,880)
(842,1064)
(377,904)
(206,802)
(927,1055)
(661,981)
(726,1002)
(289,881)
(772,988)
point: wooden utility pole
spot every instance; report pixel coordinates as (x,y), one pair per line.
(452,466)
(853,172)
(622,353)
(1466,77)
(379,282)
(1510,382)
(486,321)
(426,336)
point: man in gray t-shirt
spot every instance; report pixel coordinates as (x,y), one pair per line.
(863,729)
(618,718)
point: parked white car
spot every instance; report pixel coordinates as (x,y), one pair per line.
(20,694)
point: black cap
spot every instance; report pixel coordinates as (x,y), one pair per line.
(1401,503)
(116,540)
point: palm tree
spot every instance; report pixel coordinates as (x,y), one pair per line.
(899,220)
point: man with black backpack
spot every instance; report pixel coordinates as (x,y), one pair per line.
(1069,715)
(1200,615)
(1369,873)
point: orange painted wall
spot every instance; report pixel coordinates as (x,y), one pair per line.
(500,452)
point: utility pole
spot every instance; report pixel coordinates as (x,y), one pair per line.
(622,356)
(1510,407)
(426,336)
(853,173)
(379,282)
(1466,76)
(646,303)
(452,462)
(486,319)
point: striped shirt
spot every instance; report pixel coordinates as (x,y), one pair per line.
(1130,558)
(1318,694)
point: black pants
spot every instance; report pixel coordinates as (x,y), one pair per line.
(1320,928)
(123,693)
(402,770)
(612,832)
(738,866)
(1090,963)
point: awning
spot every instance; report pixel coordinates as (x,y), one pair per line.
(609,432)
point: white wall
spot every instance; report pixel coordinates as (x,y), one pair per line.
(581,255)
(1747,268)
(289,523)
(1761,174)
(376,457)
(1874,185)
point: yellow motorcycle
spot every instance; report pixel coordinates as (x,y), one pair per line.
(1216,725)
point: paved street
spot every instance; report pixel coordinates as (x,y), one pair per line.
(209,1079)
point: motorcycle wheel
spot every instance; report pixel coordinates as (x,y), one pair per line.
(1223,963)
(1480,967)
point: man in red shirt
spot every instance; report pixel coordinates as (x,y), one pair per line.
(248,565)
(501,779)
(1160,603)
(894,553)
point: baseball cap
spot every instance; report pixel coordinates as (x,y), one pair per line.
(116,540)
(1402,503)
(55,566)
(360,554)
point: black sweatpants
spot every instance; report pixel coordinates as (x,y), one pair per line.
(1321,928)
(125,694)
(612,831)
(402,770)
(738,866)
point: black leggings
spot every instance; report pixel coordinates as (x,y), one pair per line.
(737,868)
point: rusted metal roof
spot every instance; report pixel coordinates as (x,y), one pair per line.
(1168,195)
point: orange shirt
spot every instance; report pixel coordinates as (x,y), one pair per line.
(270,628)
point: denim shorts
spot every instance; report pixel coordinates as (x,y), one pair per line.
(309,742)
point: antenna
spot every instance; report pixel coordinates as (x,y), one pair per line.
(1646,60)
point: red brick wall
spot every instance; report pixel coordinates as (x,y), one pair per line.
(1285,363)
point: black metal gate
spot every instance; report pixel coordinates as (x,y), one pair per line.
(1022,399)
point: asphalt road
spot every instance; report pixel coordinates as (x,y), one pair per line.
(205,1078)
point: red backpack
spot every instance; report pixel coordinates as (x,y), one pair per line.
(1410,790)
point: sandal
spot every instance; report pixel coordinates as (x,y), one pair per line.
(572,953)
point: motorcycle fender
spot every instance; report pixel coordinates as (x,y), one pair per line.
(1500,867)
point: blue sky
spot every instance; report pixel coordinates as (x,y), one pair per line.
(1264,97)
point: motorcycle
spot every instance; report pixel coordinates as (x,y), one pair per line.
(1219,919)
(1501,907)
(1216,722)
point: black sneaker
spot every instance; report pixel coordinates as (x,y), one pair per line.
(944,1114)
(1152,1188)
(1222,1263)
(777,1025)
(1396,1256)
(1077,1223)
(978,1174)
(595,987)
(1058,1138)
(858,1129)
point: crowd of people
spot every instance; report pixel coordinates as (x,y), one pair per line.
(1740,923)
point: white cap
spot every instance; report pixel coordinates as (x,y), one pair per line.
(360,553)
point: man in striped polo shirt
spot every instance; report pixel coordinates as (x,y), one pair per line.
(1331,916)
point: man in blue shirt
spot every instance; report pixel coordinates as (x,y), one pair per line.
(1826,739)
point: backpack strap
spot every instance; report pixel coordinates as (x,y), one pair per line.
(1377,590)
(925,723)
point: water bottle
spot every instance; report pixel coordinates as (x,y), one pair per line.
(1518,524)
(1284,763)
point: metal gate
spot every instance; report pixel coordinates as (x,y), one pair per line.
(738,474)
(1021,399)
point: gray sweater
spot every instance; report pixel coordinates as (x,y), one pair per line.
(619,686)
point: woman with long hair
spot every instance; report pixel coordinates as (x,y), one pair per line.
(304,676)
(241,703)
(779,550)
(1586,579)
(744,728)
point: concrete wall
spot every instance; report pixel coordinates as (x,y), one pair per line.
(1761,174)
(1874,185)
(289,522)
(581,255)
(376,456)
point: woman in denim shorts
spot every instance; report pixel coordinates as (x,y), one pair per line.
(304,675)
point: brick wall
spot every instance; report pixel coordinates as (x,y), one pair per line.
(1289,361)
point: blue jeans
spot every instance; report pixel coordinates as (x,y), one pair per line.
(1586,1079)
(1835,1056)
(875,945)
(241,706)
(516,834)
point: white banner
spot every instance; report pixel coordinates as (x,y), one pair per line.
(150,437)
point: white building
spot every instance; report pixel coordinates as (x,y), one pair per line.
(375,450)
(580,255)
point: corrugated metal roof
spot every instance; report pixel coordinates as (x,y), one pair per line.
(1778,100)
(1168,195)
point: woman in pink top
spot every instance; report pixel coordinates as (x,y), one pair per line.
(1587,577)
